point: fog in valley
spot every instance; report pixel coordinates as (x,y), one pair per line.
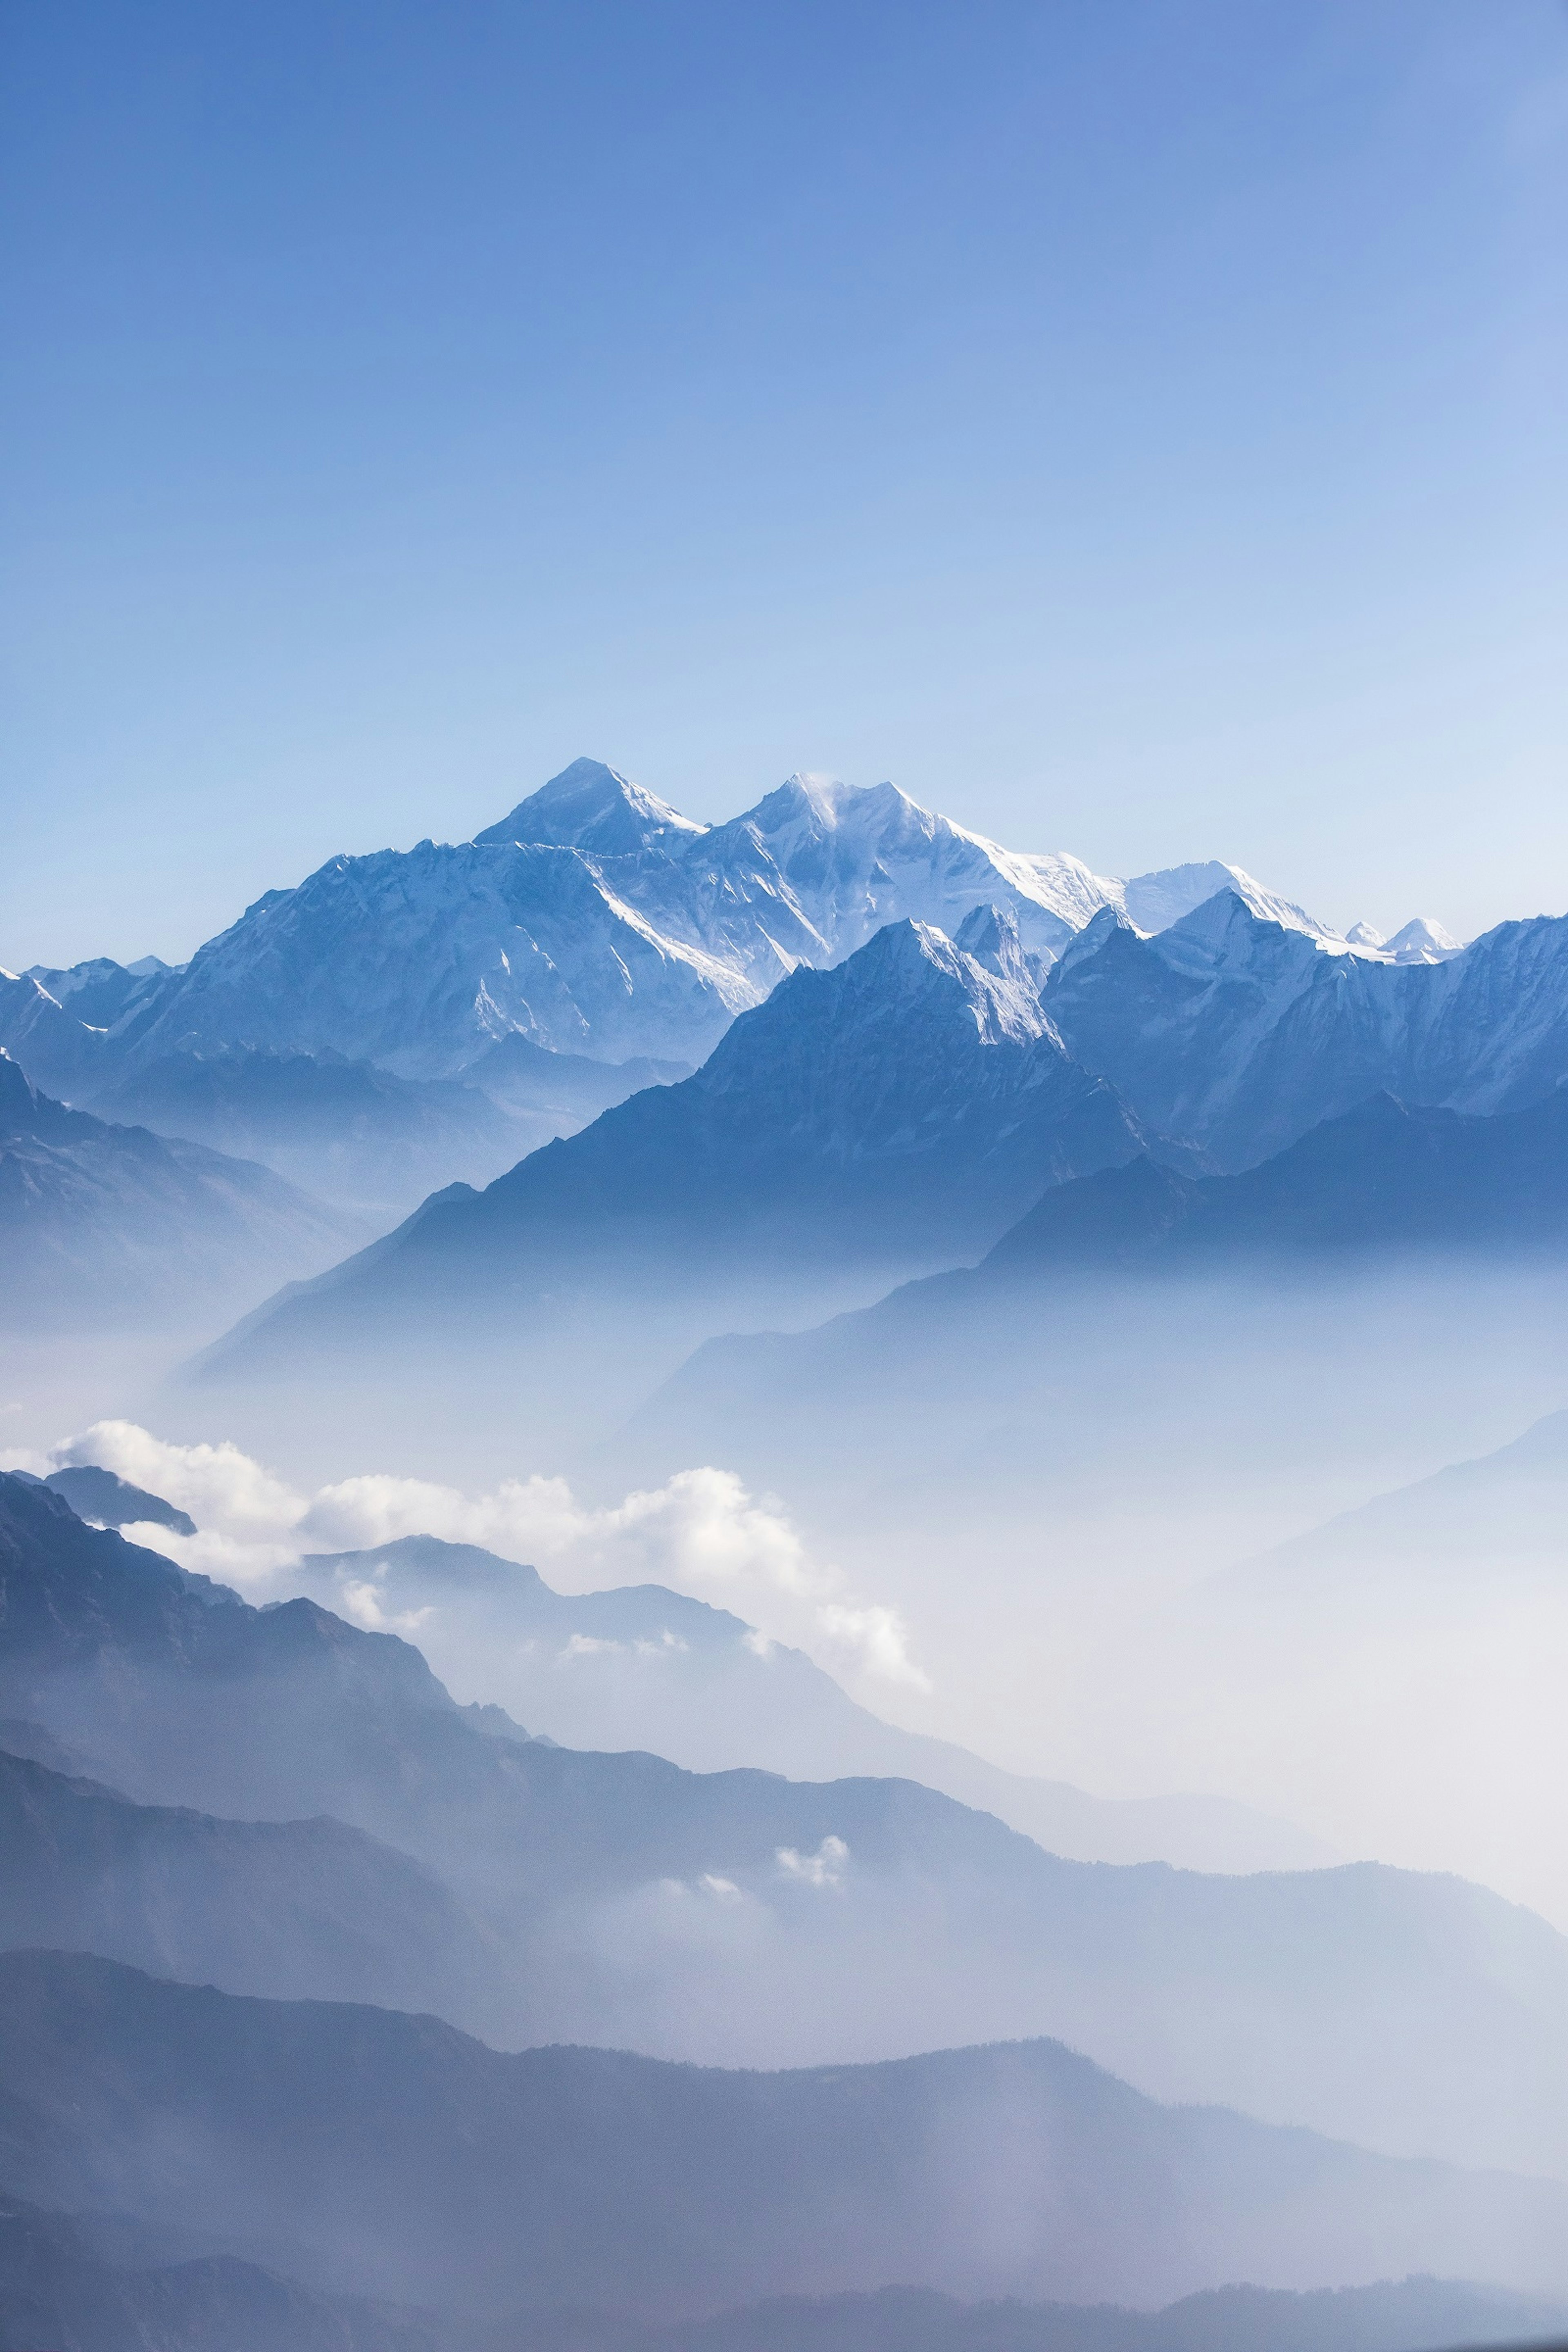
(783,1179)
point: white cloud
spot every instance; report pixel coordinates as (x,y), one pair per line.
(361,1604)
(222,1488)
(823,1868)
(876,1638)
(702,1533)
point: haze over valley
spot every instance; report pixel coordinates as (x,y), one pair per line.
(784,1178)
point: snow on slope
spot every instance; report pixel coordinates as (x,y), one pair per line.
(1153,902)
(591,807)
(1238,1032)
(595,920)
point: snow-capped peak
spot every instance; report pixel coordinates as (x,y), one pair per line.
(595,808)
(1154,901)
(1422,940)
(911,961)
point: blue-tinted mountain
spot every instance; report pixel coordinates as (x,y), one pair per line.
(98,2286)
(113,1502)
(569,1089)
(899,1109)
(1482,1532)
(98,1220)
(596,809)
(1135,1270)
(641,1667)
(595,920)
(102,992)
(1413,2314)
(1387,1177)
(347,1131)
(740,1915)
(1238,1032)
(108,2288)
(389,2155)
(298,1908)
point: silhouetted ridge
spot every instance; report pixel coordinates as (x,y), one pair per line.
(1382,1176)
(390,2154)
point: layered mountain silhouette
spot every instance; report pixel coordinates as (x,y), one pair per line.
(899,1109)
(1477,1532)
(389,2154)
(300,1908)
(641,1667)
(1384,1188)
(1384,1177)
(733,1914)
(345,1130)
(111,2288)
(97,1219)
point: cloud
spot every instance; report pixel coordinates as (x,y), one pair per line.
(702,1533)
(876,1638)
(361,1604)
(589,1645)
(823,1868)
(222,1488)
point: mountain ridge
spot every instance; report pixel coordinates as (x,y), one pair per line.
(393,2153)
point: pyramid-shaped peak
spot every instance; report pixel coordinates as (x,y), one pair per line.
(1422,940)
(990,934)
(908,959)
(1237,922)
(594,807)
(1156,902)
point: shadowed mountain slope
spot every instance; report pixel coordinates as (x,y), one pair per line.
(59,2286)
(97,1220)
(898,1110)
(389,2154)
(641,1667)
(1382,1177)
(740,1915)
(113,1502)
(1237,1032)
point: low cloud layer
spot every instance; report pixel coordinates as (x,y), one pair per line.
(702,1533)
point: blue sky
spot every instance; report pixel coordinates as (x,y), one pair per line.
(1136,429)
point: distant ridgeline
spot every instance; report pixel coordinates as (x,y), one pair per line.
(266,1883)
(837,1033)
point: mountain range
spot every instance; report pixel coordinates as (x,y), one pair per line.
(595,920)
(641,1667)
(1237,1032)
(109,2288)
(1385,1191)
(901,1109)
(407,1021)
(896,1112)
(1118,1193)
(99,1220)
(532,1892)
(371,2152)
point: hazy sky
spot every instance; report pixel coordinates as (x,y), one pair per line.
(1136,427)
